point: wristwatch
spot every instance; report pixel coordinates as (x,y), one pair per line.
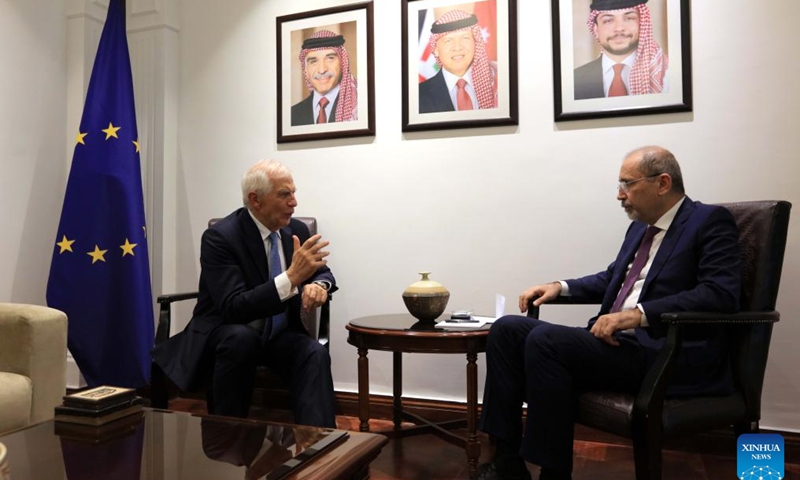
(323,284)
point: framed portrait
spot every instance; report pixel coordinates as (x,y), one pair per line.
(459,64)
(325,74)
(616,58)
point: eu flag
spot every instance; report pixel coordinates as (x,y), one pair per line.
(99,275)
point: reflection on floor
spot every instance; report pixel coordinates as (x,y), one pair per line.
(598,456)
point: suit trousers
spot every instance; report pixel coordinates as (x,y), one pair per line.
(548,366)
(297,358)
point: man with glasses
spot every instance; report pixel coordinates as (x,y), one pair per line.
(678,255)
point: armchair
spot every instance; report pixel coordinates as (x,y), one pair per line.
(650,416)
(317,323)
(33,363)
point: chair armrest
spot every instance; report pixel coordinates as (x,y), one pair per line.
(165,316)
(33,343)
(689,318)
(165,313)
(649,404)
(176,297)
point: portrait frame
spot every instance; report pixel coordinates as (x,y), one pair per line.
(355,24)
(498,22)
(574,45)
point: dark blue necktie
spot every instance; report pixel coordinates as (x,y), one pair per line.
(279,320)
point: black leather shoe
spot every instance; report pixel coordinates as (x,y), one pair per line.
(495,471)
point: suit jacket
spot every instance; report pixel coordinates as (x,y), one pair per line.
(234,288)
(589,80)
(303,111)
(433,95)
(697,268)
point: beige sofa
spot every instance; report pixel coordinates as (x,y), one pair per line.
(33,363)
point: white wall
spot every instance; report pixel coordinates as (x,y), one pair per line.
(487,210)
(33,135)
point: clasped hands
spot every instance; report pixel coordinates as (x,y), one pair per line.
(604,327)
(306,260)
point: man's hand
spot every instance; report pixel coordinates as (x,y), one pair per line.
(545,293)
(606,325)
(314,296)
(307,259)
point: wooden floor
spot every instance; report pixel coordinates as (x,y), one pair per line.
(598,456)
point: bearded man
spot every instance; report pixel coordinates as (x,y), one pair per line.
(630,61)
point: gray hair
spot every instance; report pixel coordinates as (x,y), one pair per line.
(658,160)
(258,178)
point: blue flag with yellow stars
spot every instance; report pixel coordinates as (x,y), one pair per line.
(99,275)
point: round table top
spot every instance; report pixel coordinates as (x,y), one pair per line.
(404,322)
(401,332)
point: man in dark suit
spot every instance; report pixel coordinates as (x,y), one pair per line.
(678,255)
(258,269)
(467,79)
(333,91)
(630,61)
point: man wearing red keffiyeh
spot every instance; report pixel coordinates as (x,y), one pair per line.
(631,62)
(326,71)
(467,79)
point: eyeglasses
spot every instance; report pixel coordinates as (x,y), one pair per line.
(625,185)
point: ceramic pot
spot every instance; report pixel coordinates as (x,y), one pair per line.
(426,299)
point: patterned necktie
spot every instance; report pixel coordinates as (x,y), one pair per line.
(462,97)
(617,88)
(636,268)
(321,117)
(279,320)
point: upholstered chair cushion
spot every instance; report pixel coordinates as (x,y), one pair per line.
(33,361)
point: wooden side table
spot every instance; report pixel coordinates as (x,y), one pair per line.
(402,333)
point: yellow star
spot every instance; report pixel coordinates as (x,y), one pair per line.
(97,254)
(66,245)
(136,142)
(79,138)
(128,248)
(111,131)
